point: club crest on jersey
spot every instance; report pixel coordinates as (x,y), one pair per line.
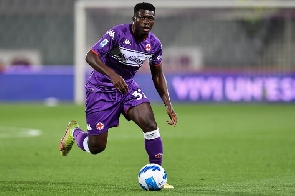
(148,47)
(100,126)
(103,43)
(158,156)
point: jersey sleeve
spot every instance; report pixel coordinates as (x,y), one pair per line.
(156,58)
(106,43)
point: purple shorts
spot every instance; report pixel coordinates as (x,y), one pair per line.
(104,107)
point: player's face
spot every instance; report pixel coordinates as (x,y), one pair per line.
(143,22)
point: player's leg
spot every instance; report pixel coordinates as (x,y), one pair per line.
(143,116)
(139,110)
(93,144)
(102,112)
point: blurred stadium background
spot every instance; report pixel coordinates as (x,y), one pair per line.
(214,51)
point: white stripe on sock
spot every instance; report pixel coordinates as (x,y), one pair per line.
(85,144)
(152,134)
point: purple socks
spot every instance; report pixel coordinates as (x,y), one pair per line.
(154,148)
(79,136)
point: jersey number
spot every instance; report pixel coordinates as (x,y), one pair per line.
(139,94)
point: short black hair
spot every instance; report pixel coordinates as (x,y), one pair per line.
(144,6)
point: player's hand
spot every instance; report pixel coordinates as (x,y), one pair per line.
(172,115)
(119,83)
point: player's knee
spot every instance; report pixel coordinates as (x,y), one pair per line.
(96,149)
(151,126)
(97,143)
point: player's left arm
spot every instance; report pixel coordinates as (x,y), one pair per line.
(162,89)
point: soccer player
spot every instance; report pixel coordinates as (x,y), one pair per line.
(112,91)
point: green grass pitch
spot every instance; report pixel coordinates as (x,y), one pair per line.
(214,150)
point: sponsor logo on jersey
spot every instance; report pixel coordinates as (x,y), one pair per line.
(129,57)
(100,126)
(103,43)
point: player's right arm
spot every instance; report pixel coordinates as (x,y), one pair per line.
(103,46)
(96,63)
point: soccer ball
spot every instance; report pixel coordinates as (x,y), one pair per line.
(152,177)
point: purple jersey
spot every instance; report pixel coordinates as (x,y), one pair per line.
(120,51)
